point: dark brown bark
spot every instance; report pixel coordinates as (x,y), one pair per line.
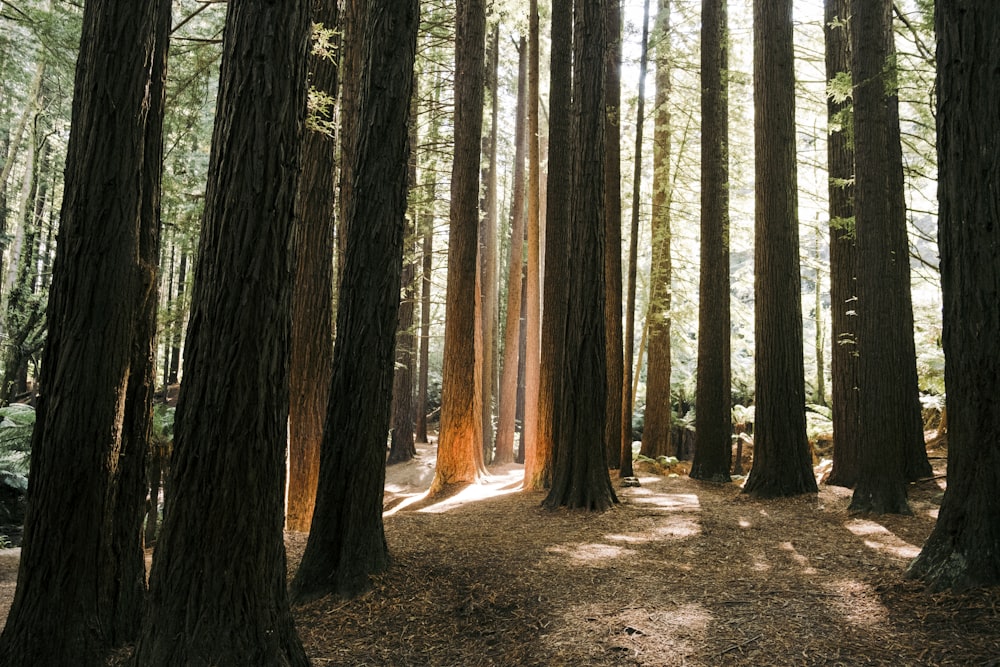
(656,440)
(515,267)
(618,427)
(963,551)
(538,464)
(580,475)
(401,445)
(884,398)
(713,449)
(312,299)
(217,587)
(782,463)
(81,576)
(347,541)
(843,259)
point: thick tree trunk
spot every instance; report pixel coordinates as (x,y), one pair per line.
(217,587)
(401,445)
(782,463)
(713,449)
(538,463)
(618,427)
(532,300)
(312,299)
(81,577)
(490,284)
(884,396)
(347,540)
(963,551)
(580,477)
(843,259)
(657,427)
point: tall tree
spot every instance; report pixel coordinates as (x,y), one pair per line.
(713,451)
(885,404)
(217,586)
(490,284)
(963,550)
(460,451)
(81,575)
(538,463)
(656,428)
(312,298)
(347,541)
(843,253)
(532,285)
(782,464)
(618,427)
(580,474)
(515,270)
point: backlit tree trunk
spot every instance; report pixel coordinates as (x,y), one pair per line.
(538,463)
(884,396)
(347,541)
(782,464)
(312,299)
(580,476)
(81,575)
(532,301)
(460,443)
(217,587)
(490,283)
(963,551)
(656,429)
(713,450)
(843,258)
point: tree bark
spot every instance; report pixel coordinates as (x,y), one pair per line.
(782,463)
(714,447)
(81,576)
(843,258)
(580,476)
(460,450)
(963,550)
(490,287)
(533,301)
(217,587)
(312,298)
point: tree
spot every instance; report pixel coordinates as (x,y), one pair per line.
(489,283)
(515,268)
(618,427)
(963,550)
(580,474)
(312,298)
(782,463)
(347,542)
(81,576)
(885,401)
(532,283)
(538,463)
(217,586)
(713,451)
(460,451)
(843,253)
(658,419)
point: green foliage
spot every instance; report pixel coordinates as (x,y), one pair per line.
(17,421)
(163,426)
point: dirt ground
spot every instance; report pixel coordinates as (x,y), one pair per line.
(679,573)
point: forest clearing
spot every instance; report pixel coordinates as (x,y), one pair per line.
(681,572)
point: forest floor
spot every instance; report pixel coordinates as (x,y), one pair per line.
(680,572)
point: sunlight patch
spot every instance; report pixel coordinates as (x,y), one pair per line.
(882,539)
(592,553)
(671,501)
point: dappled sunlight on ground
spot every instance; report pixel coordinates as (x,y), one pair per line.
(592,554)
(876,536)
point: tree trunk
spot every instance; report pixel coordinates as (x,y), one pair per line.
(782,461)
(511,348)
(619,409)
(843,258)
(401,444)
(580,476)
(80,582)
(460,450)
(533,300)
(490,286)
(963,551)
(427,266)
(657,427)
(538,463)
(311,362)
(178,324)
(714,447)
(217,587)
(884,396)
